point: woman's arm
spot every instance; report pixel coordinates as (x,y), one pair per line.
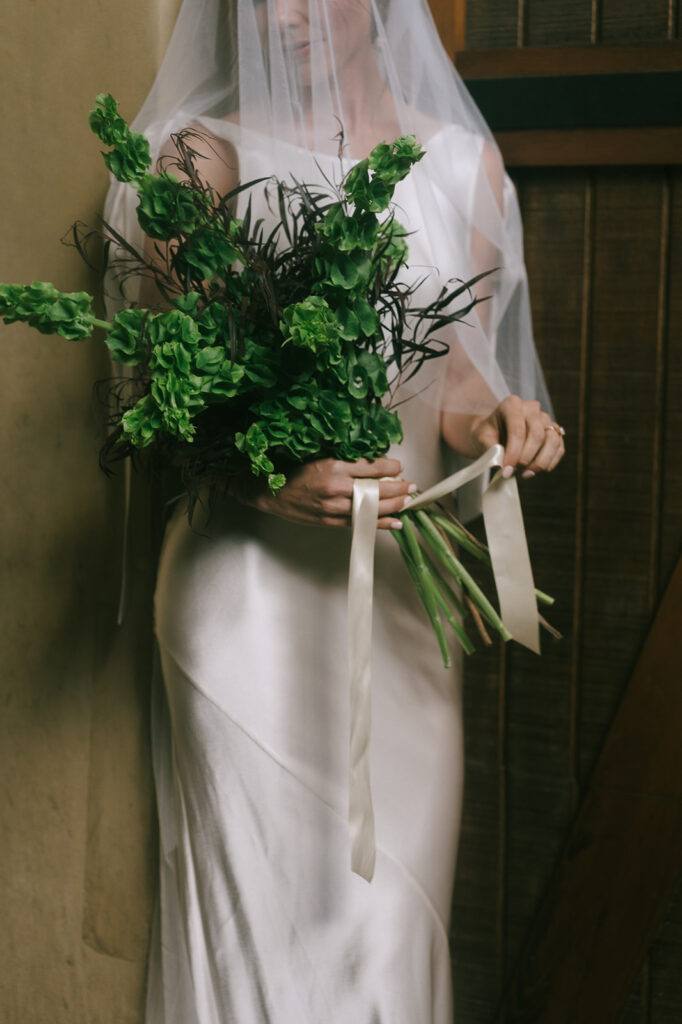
(217,164)
(531,442)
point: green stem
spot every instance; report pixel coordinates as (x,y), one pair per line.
(444,586)
(481,553)
(437,582)
(409,546)
(443,590)
(456,626)
(436,542)
(103,324)
(462,538)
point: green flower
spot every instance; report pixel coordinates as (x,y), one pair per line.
(130,157)
(389,164)
(175,327)
(169,208)
(393,161)
(178,399)
(254,444)
(206,254)
(310,324)
(356,319)
(50,311)
(126,340)
(368,194)
(347,233)
(142,423)
(222,381)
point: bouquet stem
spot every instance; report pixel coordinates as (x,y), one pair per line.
(426,546)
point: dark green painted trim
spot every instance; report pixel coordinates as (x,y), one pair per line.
(653,99)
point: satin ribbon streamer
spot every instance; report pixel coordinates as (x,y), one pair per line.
(360,586)
(518,608)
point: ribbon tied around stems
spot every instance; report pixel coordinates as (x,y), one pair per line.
(518,609)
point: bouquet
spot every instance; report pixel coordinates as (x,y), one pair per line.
(271,348)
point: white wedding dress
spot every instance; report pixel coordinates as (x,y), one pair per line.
(261,920)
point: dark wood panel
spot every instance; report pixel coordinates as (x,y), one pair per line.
(531,62)
(475,932)
(620,147)
(556,21)
(620,569)
(671,506)
(621,422)
(609,891)
(636,1008)
(539,810)
(491,24)
(624,21)
(540,691)
(666,951)
(666,965)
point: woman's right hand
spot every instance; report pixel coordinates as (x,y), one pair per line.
(320,493)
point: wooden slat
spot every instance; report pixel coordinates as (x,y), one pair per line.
(592,147)
(493,23)
(569,60)
(624,853)
(555,21)
(629,20)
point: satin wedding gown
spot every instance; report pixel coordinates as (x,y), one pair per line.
(261,920)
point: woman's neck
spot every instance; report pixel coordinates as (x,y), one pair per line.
(368,111)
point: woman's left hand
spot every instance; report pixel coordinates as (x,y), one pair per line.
(533,443)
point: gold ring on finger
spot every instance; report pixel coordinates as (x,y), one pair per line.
(557,428)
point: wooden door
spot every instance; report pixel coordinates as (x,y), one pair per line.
(590,129)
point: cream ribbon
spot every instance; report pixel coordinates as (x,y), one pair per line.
(360,587)
(518,609)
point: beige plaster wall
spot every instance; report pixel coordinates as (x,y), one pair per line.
(76,812)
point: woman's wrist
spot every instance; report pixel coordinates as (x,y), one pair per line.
(460,432)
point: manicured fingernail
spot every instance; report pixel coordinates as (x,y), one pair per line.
(406,502)
(507,472)
(396,525)
(412,489)
(528,474)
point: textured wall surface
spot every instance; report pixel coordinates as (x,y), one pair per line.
(76,819)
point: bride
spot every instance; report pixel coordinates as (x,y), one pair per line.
(261,920)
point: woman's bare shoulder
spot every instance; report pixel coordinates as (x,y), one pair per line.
(214,156)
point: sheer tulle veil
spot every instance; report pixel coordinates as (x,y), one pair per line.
(278,78)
